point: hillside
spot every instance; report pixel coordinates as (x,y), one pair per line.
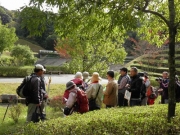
(34,47)
(155,65)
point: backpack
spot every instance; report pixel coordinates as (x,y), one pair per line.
(151,93)
(23,89)
(82,104)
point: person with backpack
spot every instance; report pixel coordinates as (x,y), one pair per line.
(78,80)
(74,99)
(151,95)
(146,83)
(35,95)
(111,92)
(135,87)
(123,80)
(95,92)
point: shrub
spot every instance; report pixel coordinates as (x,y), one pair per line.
(15,112)
(6,61)
(150,120)
(56,102)
(15,71)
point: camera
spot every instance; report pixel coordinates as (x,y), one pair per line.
(159,79)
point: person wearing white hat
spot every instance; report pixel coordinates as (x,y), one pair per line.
(95,90)
(78,80)
(35,97)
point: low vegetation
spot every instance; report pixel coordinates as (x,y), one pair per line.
(150,120)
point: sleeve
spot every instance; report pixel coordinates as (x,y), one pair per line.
(123,83)
(36,90)
(108,90)
(71,100)
(89,91)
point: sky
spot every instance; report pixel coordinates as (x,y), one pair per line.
(16,4)
(13,4)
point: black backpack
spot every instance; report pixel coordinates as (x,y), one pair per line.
(24,88)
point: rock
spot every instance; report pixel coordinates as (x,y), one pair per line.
(8,98)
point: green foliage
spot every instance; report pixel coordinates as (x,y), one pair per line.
(7,37)
(7,61)
(23,55)
(15,111)
(15,71)
(117,121)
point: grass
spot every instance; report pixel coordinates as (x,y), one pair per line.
(10,88)
(34,47)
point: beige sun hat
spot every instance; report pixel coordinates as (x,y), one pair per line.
(95,77)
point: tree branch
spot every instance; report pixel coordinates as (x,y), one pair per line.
(157,14)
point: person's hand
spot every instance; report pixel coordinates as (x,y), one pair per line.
(127,85)
(160,90)
(45,96)
(38,104)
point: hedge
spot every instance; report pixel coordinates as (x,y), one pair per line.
(150,120)
(15,71)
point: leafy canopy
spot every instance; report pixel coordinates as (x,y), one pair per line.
(7,37)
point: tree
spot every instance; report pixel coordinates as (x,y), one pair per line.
(7,37)
(124,14)
(23,55)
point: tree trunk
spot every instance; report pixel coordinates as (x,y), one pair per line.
(172,70)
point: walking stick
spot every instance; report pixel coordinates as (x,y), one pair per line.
(7,108)
(49,78)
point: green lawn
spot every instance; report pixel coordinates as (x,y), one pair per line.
(10,88)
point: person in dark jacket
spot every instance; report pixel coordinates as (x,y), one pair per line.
(36,96)
(135,87)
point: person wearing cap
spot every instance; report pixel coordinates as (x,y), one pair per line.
(78,80)
(85,80)
(123,80)
(111,92)
(95,89)
(70,97)
(36,96)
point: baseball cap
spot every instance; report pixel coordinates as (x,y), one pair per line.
(39,66)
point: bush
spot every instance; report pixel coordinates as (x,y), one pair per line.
(15,71)
(6,61)
(56,102)
(15,112)
(149,120)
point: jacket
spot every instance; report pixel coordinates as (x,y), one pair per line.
(72,98)
(111,93)
(92,91)
(35,95)
(122,81)
(135,87)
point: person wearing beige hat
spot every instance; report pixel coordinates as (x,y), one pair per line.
(95,90)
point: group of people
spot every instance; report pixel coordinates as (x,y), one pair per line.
(84,93)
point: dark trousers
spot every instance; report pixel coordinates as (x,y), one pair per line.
(121,100)
(135,102)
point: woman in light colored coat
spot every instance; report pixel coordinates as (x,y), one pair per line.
(93,88)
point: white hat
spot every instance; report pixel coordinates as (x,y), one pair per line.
(85,75)
(78,75)
(39,66)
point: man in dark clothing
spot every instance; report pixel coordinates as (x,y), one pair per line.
(164,87)
(123,80)
(135,87)
(36,95)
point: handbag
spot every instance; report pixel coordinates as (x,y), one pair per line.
(36,116)
(92,102)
